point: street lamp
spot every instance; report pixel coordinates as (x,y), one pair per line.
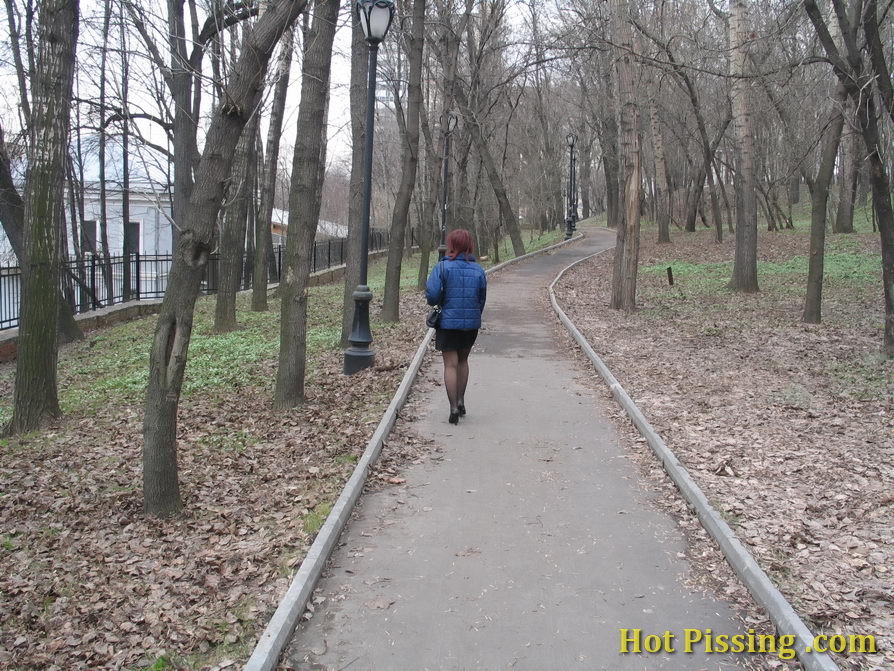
(571,217)
(375,18)
(448,129)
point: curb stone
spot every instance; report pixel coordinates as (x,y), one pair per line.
(763,590)
(278,632)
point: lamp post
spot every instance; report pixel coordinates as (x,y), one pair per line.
(449,125)
(571,217)
(375,18)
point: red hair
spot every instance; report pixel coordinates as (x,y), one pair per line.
(459,242)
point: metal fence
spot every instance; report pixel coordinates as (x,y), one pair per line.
(96,282)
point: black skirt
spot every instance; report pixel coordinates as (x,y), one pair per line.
(450,340)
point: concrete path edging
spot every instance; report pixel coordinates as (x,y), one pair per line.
(276,635)
(756,580)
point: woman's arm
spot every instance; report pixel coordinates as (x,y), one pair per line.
(433,287)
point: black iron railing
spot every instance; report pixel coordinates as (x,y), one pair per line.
(96,282)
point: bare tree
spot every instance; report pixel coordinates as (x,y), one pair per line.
(308,169)
(35,396)
(627,244)
(862,84)
(268,185)
(161,488)
(232,237)
(819,200)
(745,263)
(409,162)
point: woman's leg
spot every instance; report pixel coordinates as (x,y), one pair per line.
(451,360)
(462,376)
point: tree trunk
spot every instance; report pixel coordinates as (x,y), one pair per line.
(818,201)
(745,264)
(427,220)
(627,246)
(662,191)
(12,218)
(847,185)
(35,395)
(103,187)
(610,162)
(125,163)
(161,490)
(409,162)
(232,236)
(359,57)
(308,169)
(586,168)
(263,238)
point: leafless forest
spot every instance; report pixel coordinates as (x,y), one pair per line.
(686,115)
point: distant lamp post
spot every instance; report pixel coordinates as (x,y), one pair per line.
(375,18)
(571,217)
(449,125)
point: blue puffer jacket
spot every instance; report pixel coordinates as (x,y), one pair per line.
(466,291)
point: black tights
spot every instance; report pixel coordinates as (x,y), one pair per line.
(456,376)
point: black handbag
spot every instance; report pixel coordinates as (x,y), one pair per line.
(433,320)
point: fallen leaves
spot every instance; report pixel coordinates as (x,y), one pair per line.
(87,582)
(787,427)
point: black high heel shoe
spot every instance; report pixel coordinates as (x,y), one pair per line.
(461,409)
(454,418)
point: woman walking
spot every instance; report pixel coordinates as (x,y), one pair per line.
(458,284)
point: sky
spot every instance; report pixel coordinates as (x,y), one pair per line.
(339,117)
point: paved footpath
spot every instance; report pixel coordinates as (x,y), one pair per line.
(529,545)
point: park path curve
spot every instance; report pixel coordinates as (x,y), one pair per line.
(529,544)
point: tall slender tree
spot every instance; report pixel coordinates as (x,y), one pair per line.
(308,169)
(268,179)
(170,345)
(409,163)
(35,396)
(745,262)
(627,244)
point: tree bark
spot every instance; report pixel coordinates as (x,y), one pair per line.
(125,162)
(161,489)
(610,162)
(12,218)
(103,182)
(427,220)
(662,191)
(627,246)
(308,169)
(818,202)
(847,185)
(409,163)
(263,238)
(232,237)
(745,263)
(586,169)
(35,395)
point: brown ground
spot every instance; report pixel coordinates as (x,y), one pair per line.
(787,427)
(87,582)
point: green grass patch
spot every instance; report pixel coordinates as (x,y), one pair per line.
(843,269)
(869,377)
(160,664)
(110,367)
(315,519)
(231,441)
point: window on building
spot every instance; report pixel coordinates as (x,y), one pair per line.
(88,236)
(132,237)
